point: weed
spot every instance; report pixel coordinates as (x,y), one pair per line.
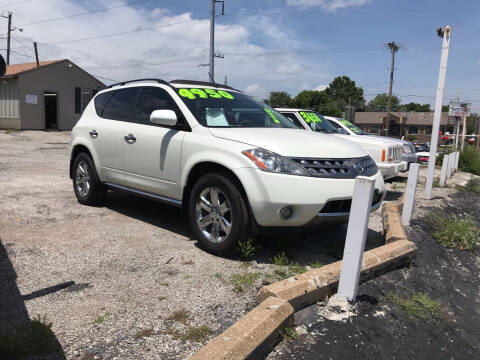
(419,306)
(450,231)
(473,186)
(101,319)
(280,259)
(247,248)
(436,182)
(288,334)
(219,276)
(241,281)
(195,334)
(12,131)
(181,316)
(281,273)
(470,160)
(144,333)
(317,264)
(296,269)
(31,339)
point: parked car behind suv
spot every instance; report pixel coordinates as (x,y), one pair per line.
(234,164)
(386,153)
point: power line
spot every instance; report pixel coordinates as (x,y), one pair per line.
(84,13)
(14,3)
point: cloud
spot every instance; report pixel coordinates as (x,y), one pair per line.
(163,51)
(321,87)
(328,5)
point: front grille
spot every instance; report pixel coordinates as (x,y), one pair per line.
(343,206)
(338,168)
(397,154)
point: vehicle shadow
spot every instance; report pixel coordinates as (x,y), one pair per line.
(20,336)
(304,247)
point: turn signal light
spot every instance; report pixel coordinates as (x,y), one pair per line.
(383,155)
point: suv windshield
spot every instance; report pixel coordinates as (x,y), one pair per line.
(317,122)
(220,108)
(352,127)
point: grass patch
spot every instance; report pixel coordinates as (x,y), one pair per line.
(33,338)
(181,316)
(288,334)
(195,334)
(248,248)
(451,231)
(470,160)
(280,259)
(418,306)
(219,276)
(144,333)
(241,282)
(101,319)
(12,131)
(317,264)
(473,186)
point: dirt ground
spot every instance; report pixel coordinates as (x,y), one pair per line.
(382,329)
(124,280)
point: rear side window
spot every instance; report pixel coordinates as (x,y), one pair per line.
(101,100)
(152,99)
(335,125)
(121,105)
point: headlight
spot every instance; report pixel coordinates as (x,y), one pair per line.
(271,162)
(406,149)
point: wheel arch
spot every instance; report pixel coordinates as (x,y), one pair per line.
(77,149)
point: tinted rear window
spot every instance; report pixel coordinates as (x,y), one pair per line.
(101,100)
(121,104)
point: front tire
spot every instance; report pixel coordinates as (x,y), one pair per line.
(86,184)
(218,214)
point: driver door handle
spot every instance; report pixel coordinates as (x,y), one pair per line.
(130,139)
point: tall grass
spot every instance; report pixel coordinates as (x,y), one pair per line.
(470,160)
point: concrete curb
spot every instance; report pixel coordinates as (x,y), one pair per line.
(392,223)
(252,336)
(256,333)
(317,284)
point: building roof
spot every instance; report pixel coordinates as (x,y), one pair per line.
(16,69)
(408,118)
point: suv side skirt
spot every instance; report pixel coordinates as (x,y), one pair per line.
(159,198)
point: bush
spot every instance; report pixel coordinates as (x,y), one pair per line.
(470,160)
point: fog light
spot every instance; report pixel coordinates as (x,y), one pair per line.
(285,212)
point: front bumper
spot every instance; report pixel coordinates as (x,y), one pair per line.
(393,169)
(307,195)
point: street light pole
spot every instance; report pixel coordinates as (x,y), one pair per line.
(9,36)
(444,33)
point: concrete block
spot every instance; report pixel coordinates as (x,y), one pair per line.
(252,336)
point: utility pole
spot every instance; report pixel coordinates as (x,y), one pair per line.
(446,34)
(9,36)
(36,53)
(393,47)
(464,129)
(211,73)
(226,81)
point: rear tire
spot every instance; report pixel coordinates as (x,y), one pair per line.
(86,183)
(218,214)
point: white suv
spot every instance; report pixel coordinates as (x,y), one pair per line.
(387,153)
(234,164)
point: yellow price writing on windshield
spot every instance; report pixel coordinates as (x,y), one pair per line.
(192,94)
(310,117)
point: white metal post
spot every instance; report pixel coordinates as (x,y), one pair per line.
(464,129)
(457,159)
(457,132)
(451,163)
(410,194)
(356,237)
(443,173)
(447,31)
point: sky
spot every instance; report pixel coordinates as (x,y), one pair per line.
(267,45)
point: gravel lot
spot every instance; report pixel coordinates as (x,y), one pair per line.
(109,278)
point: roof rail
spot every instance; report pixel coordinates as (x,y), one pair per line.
(203,83)
(160,81)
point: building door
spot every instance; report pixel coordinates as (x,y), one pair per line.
(51,118)
(394,129)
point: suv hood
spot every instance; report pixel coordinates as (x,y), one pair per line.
(292,142)
(366,140)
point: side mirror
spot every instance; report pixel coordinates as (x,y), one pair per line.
(164,118)
(342,131)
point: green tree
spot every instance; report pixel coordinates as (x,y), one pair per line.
(318,101)
(415,107)
(279,99)
(379,103)
(343,91)
(472,123)
(445,108)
